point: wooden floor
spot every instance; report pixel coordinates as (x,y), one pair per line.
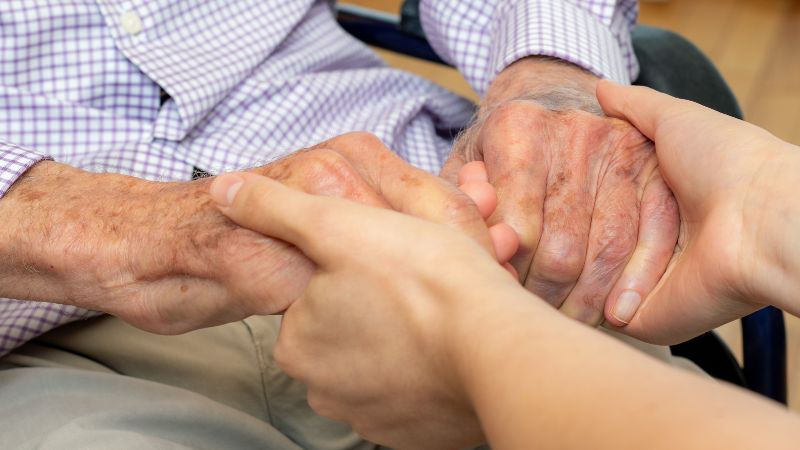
(756,46)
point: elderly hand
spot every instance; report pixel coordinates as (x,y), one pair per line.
(736,187)
(582,191)
(372,334)
(161,256)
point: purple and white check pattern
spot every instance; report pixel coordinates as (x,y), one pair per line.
(483,37)
(249,82)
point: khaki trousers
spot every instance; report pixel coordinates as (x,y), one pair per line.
(104,384)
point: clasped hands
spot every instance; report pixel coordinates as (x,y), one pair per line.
(578,195)
(403,325)
(573,201)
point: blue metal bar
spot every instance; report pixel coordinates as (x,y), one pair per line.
(764,338)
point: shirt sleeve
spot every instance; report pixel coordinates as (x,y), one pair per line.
(483,37)
(15,161)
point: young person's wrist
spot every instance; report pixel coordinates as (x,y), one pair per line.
(775,234)
(505,315)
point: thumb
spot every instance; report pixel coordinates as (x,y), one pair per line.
(268,207)
(685,304)
(645,108)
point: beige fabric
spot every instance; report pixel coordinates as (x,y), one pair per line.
(231,366)
(104,384)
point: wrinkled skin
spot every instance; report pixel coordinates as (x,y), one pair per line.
(582,191)
(370,340)
(163,258)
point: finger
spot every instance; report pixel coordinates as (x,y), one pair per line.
(512,150)
(474,181)
(504,240)
(473,171)
(483,194)
(322,172)
(410,190)
(682,305)
(272,209)
(658,235)
(561,253)
(645,108)
(612,239)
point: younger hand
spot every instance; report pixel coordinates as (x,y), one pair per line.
(379,314)
(735,185)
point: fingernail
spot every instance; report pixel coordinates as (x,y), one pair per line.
(626,306)
(225,188)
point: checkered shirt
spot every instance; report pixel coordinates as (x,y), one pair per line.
(249,82)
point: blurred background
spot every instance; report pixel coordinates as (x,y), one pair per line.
(756,46)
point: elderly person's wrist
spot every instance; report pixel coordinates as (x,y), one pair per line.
(548,82)
(92,240)
(553,83)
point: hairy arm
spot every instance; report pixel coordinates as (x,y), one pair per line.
(162,257)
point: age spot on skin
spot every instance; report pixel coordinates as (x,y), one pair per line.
(184,288)
(31,195)
(410,180)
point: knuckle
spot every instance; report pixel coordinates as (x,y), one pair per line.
(365,138)
(325,162)
(514,116)
(512,122)
(328,172)
(559,260)
(615,243)
(360,140)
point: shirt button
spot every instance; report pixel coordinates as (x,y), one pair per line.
(130,22)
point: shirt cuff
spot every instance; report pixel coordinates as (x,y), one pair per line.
(564,31)
(15,161)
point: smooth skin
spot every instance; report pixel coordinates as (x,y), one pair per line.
(736,187)
(437,348)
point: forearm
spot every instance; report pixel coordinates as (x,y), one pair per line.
(75,237)
(27,269)
(536,377)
